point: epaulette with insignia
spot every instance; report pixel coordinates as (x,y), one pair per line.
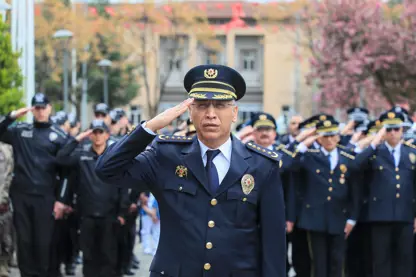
(131,130)
(263,151)
(407,143)
(280,146)
(345,154)
(284,150)
(313,150)
(174,139)
(341,146)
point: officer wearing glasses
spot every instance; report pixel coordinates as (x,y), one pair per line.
(221,202)
(391,189)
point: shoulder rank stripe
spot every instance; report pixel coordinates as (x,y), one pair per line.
(284,150)
(280,146)
(341,146)
(313,150)
(345,154)
(408,143)
(174,139)
(263,151)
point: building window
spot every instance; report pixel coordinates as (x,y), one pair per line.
(248,59)
(174,65)
(212,57)
(135,114)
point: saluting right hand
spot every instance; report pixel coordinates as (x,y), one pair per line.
(310,140)
(83,135)
(20,112)
(305,134)
(379,137)
(165,118)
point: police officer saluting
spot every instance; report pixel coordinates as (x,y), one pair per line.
(221,202)
(392,192)
(33,189)
(102,206)
(330,207)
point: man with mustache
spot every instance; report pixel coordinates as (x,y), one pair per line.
(221,202)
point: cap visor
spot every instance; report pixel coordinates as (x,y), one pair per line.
(39,105)
(211,96)
(387,126)
(101,129)
(101,112)
(328,134)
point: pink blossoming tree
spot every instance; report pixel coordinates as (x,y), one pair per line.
(362,51)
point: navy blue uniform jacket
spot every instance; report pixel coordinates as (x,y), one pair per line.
(391,190)
(225,234)
(331,196)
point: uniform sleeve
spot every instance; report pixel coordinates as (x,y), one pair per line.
(273,226)
(128,163)
(66,156)
(362,160)
(6,133)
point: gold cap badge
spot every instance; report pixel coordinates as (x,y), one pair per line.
(247,183)
(322,117)
(181,171)
(210,73)
(263,117)
(391,115)
(327,123)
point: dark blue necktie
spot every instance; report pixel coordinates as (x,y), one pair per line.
(392,157)
(211,170)
(329,160)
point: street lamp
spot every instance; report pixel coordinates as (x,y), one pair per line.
(64,35)
(105,64)
(3,8)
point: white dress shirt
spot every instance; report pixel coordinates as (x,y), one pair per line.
(396,152)
(222,161)
(334,157)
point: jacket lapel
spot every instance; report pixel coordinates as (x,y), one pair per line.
(193,160)
(238,165)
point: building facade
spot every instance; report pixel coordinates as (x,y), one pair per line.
(265,57)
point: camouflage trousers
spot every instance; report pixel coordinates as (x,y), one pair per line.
(6,242)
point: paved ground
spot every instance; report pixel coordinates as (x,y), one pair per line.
(145,261)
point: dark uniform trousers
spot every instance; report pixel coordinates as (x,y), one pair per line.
(392,245)
(301,259)
(99,246)
(64,244)
(359,261)
(126,241)
(33,218)
(328,252)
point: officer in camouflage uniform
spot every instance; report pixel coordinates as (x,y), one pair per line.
(6,225)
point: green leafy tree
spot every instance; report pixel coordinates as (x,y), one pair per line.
(11,78)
